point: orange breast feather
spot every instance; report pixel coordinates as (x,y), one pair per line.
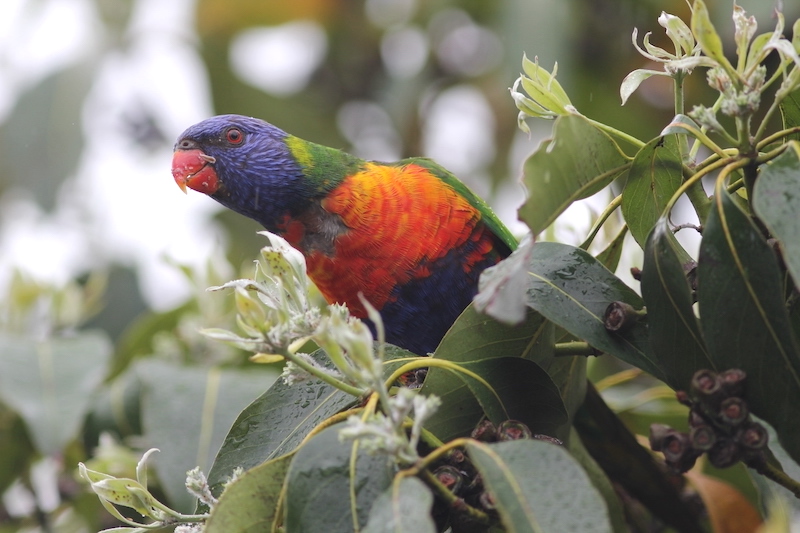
(400,220)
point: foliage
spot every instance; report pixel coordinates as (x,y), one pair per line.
(506,434)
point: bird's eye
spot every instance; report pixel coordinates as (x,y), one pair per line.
(234,136)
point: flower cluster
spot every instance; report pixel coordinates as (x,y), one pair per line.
(278,318)
(274,309)
(740,86)
(387,432)
(685,58)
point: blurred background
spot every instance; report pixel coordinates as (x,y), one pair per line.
(93,94)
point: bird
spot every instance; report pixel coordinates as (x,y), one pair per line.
(407,235)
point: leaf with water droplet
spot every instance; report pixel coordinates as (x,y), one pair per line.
(329,487)
(277,421)
(573,289)
(579,161)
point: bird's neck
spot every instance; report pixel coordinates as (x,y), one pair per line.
(324,168)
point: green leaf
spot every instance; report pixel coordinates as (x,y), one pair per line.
(539,487)
(707,36)
(50,383)
(573,289)
(274,424)
(277,422)
(768,489)
(675,337)
(16,448)
(634,79)
(186,413)
(578,161)
(599,479)
(613,252)
(757,47)
(674,126)
(790,112)
(776,201)
(654,176)
(330,488)
(744,321)
(250,504)
(520,390)
(476,337)
(403,507)
(115,408)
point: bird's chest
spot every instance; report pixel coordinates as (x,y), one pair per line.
(358,267)
(377,233)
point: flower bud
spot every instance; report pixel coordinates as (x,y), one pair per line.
(744,29)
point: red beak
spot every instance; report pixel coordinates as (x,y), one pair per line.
(194,169)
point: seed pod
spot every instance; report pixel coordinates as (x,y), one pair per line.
(696,417)
(620,316)
(485,431)
(658,433)
(486,501)
(733,411)
(753,436)
(707,389)
(725,453)
(732,381)
(703,437)
(675,446)
(513,430)
(456,457)
(450,477)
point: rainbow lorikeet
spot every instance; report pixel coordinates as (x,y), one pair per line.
(408,235)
